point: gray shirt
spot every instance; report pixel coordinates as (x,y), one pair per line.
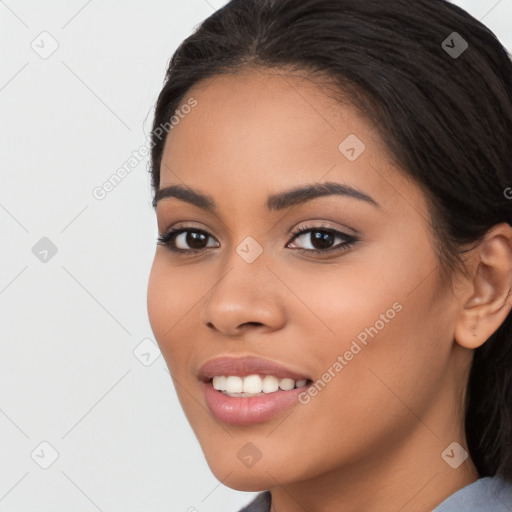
(487,494)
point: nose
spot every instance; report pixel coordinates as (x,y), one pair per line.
(246,296)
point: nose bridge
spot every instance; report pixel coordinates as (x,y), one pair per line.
(245,267)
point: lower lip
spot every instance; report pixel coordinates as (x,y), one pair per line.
(244,410)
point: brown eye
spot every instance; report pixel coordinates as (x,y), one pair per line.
(185,240)
(194,239)
(322,240)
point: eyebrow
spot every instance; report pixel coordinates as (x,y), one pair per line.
(275,202)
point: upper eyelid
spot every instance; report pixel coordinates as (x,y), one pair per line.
(309,225)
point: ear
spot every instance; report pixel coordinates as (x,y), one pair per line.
(486,292)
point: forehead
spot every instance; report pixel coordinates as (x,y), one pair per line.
(254,113)
(267,104)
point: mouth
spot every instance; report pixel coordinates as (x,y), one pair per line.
(249,390)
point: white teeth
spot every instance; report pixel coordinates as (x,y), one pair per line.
(270,384)
(249,385)
(219,382)
(252,384)
(234,384)
(286,384)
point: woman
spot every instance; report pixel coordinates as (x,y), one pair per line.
(331,287)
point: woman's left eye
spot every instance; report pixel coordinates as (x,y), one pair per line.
(320,238)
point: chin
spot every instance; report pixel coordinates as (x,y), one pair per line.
(244,480)
(261,476)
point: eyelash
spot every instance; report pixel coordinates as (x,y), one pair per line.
(168,239)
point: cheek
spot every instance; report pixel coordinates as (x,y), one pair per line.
(169,302)
(374,335)
(157,300)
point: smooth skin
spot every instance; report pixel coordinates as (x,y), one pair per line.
(372,438)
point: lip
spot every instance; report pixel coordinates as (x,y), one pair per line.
(248,410)
(248,365)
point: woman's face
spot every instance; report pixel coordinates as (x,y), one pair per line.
(364,315)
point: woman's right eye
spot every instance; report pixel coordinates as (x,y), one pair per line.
(177,239)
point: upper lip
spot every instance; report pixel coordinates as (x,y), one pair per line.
(242,366)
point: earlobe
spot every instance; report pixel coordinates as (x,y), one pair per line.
(487,297)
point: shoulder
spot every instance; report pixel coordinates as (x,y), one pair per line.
(261,503)
(487,494)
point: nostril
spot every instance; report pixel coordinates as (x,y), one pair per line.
(257,324)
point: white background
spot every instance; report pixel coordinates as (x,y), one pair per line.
(68,374)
